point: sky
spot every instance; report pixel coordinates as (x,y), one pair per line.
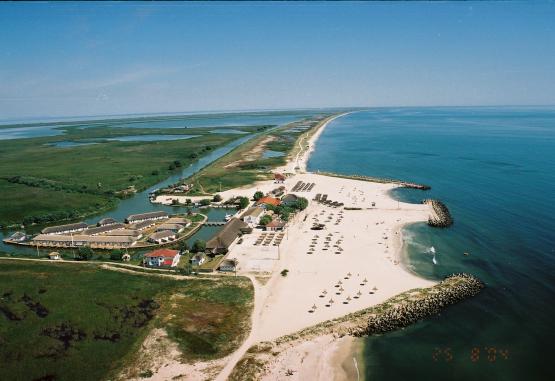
(73,59)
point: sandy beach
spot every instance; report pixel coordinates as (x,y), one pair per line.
(352,264)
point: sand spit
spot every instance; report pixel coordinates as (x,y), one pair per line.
(308,353)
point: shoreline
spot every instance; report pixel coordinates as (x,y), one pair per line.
(371,227)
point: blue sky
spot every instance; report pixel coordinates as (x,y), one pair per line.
(64,59)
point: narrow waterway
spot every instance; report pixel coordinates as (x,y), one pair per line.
(140,203)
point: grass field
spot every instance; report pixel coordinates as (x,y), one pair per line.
(41,179)
(80,322)
(247,164)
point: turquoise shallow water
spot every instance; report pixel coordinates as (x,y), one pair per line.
(495,170)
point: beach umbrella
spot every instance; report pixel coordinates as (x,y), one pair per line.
(375,288)
(359,293)
(365,280)
(314,306)
(341,289)
(331,301)
(349,274)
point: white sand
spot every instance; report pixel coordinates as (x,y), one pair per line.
(370,240)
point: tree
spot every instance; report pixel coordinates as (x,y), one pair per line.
(155,172)
(84,253)
(258,195)
(171,167)
(243,202)
(265,220)
(175,201)
(183,246)
(116,255)
(177,163)
(217,198)
(205,202)
(188,201)
(284,272)
(199,245)
(301,203)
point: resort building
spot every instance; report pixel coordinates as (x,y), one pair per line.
(126,233)
(162,258)
(63,229)
(198,259)
(161,237)
(95,242)
(228,265)
(142,225)
(176,228)
(268,201)
(106,222)
(275,225)
(252,216)
(289,199)
(222,241)
(279,178)
(103,229)
(150,216)
(17,237)
(179,220)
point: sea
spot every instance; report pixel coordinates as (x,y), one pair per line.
(494,168)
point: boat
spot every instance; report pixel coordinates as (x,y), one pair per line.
(228,217)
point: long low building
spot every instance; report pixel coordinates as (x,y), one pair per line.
(63,229)
(163,236)
(98,241)
(103,229)
(220,243)
(150,216)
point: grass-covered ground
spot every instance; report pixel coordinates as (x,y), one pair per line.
(246,163)
(80,322)
(46,183)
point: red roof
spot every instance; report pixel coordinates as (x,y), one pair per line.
(166,253)
(279,176)
(269,200)
(168,262)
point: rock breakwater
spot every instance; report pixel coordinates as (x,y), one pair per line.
(440,218)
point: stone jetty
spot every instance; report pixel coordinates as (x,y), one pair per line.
(451,290)
(440,218)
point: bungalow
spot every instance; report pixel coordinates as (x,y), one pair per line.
(17,237)
(275,225)
(198,259)
(63,229)
(176,228)
(55,256)
(228,265)
(162,257)
(220,243)
(279,178)
(289,199)
(161,237)
(268,201)
(150,216)
(252,215)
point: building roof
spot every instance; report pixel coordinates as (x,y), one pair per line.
(166,253)
(145,216)
(161,235)
(253,212)
(228,262)
(64,228)
(225,237)
(53,254)
(106,221)
(125,232)
(103,228)
(63,238)
(279,176)
(169,227)
(269,200)
(141,225)
(178,220)
(275,224)
(290,197)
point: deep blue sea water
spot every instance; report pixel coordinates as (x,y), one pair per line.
(495,170)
